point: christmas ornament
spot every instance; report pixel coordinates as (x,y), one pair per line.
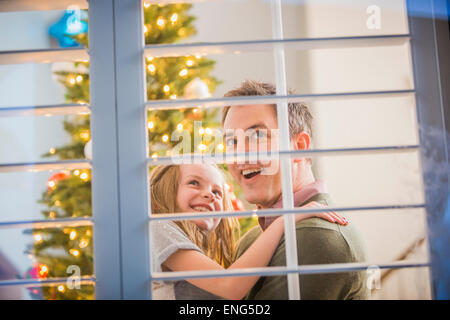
(88,150)
(69,25)
(196,89)
(39,271)
(238,205)
(51,182)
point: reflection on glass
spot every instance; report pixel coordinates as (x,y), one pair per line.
(48,292)
(45,195)
(224,21)
(46,253)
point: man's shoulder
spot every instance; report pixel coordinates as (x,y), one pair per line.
(320,235)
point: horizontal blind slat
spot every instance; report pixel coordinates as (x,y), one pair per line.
(83,280)
(43,55)
(33,5)
(47,110)
(232,157)
(274,271)
(45,166)
(275,212)
(49,223)
(243,100)
(237,47)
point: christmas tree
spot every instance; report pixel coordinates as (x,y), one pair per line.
(68,193)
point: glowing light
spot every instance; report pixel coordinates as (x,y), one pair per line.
(151,68)
(174,18)
(150,125)
(51,184)
(198,56)
(145,29)
(73,235)
(84,135)
(189,63)
(74,252)
(149,59)
(72,81)
(165,138)
(195,110)
(166,88)
(52,214)
(183,73)
(160,22)
(220,146)
(84,243)
(201,131)
(201,147)
(208,131)
(61,288)
(84,176)
(43,270)
(79,78)
(146,5)
(174,96)
(179,127)
(52,151)
(76,172)
(154,156)
(37,238)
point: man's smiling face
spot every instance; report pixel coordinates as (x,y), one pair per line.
(259,122)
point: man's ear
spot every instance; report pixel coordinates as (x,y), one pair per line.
(301,141)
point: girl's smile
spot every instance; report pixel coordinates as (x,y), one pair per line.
(201,190)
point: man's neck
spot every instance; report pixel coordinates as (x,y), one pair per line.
(300,182)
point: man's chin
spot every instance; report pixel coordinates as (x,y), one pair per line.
(254,199)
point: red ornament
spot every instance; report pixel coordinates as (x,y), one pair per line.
(238,205)
(39,271)
(51,182)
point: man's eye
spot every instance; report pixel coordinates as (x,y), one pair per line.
(230,142)
(258,135)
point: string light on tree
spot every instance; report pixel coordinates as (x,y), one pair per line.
(161,22)
(73,235)
(151,68)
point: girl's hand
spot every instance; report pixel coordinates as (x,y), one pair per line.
(329,216)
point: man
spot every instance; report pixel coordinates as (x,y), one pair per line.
(318,241)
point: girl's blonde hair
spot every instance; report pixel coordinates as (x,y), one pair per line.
(218,244)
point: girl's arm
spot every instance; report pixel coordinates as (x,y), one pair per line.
(257,255)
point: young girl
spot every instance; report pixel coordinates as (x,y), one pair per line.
(205,244)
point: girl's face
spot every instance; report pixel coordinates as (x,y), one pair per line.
(200,190)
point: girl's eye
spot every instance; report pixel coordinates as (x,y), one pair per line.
(194,182)
(218,193)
